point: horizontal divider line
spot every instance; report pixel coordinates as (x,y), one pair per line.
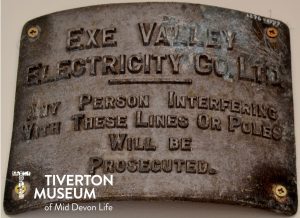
(153,81)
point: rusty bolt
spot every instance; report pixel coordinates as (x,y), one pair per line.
(272,32)
(280,191)
(33,32)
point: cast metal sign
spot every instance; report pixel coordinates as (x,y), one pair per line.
(175,101)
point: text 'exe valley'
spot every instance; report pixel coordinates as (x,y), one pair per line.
(203,61)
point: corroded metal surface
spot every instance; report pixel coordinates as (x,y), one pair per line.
(177,101)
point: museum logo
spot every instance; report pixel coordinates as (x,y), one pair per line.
(21,188)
